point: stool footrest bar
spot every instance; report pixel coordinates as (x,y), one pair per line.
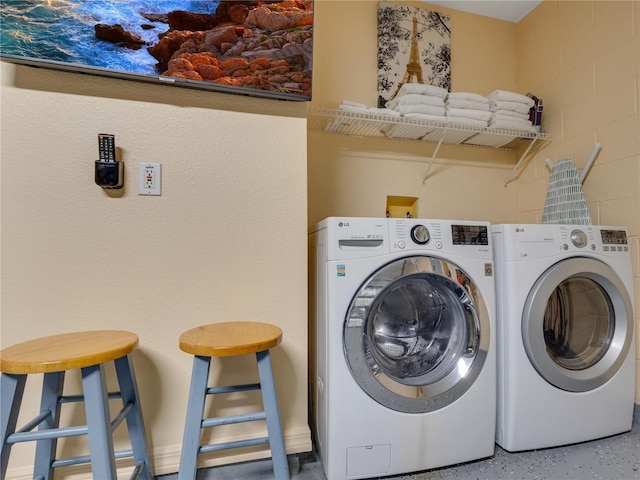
(26,435)
(47,434)
(235,444)
(233,388)
(67,462)
(231,419)
(80,398)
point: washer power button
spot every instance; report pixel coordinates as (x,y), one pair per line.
(420,234)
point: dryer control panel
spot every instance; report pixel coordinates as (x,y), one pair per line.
(593,238)
(521,242)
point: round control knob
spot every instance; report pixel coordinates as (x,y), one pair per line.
(420,234)
(579,238)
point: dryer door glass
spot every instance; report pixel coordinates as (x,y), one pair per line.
(578,323)
(416,334)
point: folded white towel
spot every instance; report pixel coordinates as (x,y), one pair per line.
(424,89)
(467,121)
(462,103)
(415,99)
(512,114)
(384,111)
(350,103)
(503,124)
(428,109)
(350,108)
(468,113)
(510,118)
(507,105)
(425,116)
(473,97)
(511,97)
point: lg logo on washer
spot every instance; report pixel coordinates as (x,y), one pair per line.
(343,224)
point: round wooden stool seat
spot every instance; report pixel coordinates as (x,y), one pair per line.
(67,351)
(228,339)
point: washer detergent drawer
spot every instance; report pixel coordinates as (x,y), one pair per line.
(369,460)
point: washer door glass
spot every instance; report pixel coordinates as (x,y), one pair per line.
(416,334)
(577,324)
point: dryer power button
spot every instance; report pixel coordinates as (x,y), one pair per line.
(579,238)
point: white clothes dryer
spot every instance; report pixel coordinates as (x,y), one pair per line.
(403,358)
(565,334)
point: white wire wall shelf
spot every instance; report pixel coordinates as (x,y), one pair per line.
(363,124)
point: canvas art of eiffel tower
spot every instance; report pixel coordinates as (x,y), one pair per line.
(413,47)
(414,69)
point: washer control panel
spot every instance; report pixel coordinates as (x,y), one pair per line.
(412,234)
(439,235)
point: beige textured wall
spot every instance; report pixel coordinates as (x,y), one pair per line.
(227,240)
(354,176)
(583,59)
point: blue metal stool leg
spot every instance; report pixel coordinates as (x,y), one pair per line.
(135,423)
(11,392)
(193,422)
(96,399)
(276,441)
(46,448)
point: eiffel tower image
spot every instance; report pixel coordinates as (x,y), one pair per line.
(414,69)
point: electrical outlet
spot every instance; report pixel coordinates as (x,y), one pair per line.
(149,179)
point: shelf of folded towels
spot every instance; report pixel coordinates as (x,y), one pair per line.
(371,124)
(429,113)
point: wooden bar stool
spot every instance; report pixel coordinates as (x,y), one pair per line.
(53,356)
(226,340)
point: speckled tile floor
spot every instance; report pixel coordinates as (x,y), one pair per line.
(612,458)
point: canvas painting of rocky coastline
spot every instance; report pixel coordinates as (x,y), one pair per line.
(254,47)
(413,47)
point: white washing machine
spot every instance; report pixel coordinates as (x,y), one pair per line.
(403,357)
(565,334)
